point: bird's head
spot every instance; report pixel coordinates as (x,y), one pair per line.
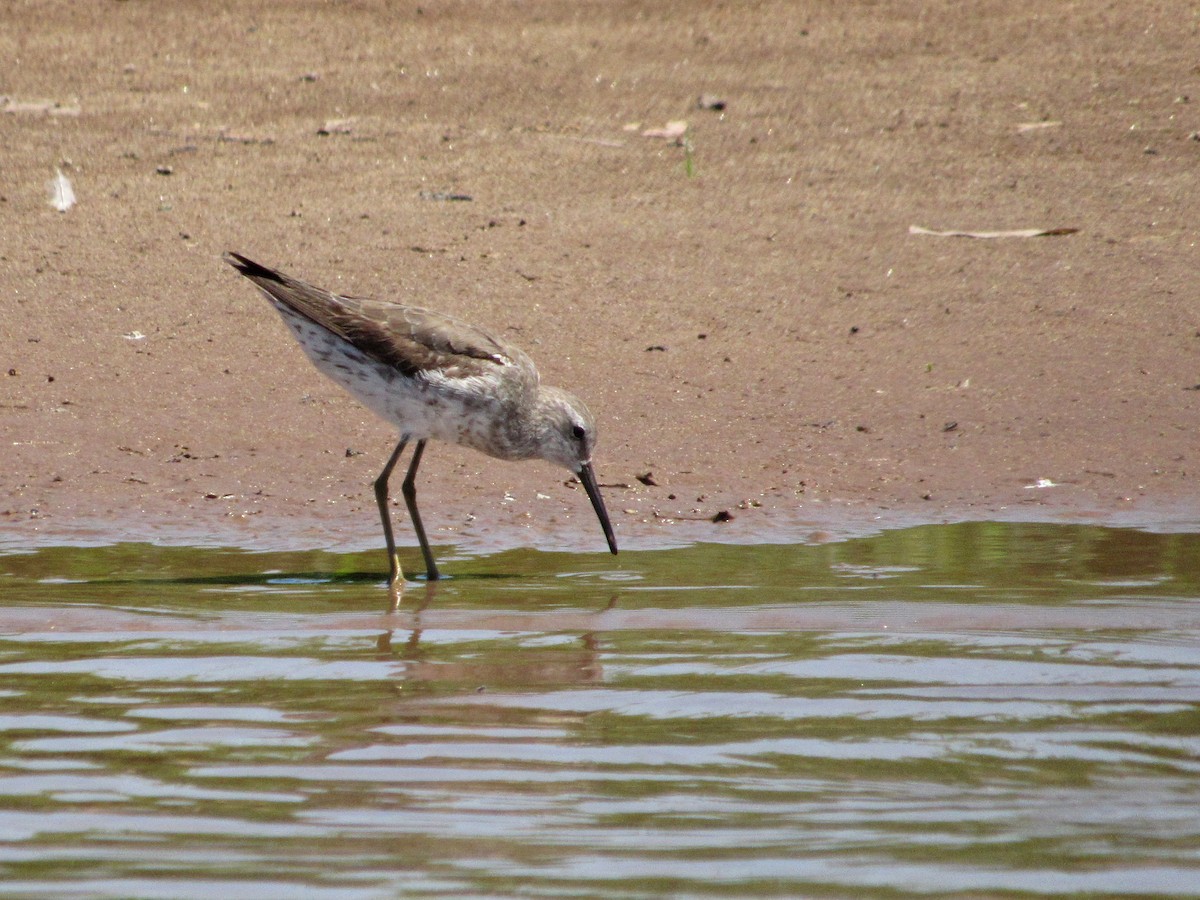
(566,435)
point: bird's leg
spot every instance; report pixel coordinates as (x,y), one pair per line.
(409,489)
(395,574)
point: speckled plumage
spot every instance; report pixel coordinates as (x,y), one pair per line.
(433,377)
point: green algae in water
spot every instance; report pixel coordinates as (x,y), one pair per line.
(937,711)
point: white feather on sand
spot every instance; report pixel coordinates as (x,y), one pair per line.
(62,195)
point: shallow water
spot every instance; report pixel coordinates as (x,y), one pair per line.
(977,709)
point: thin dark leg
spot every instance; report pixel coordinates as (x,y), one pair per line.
(409,489)
(395,574)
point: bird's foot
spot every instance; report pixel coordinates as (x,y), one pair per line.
(396,584)
(395,594)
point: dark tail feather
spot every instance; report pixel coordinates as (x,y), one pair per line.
(250,268)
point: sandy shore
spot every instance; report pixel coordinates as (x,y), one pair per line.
(743,306)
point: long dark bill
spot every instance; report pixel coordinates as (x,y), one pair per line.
(589,484)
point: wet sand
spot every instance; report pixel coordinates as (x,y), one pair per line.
(743,307)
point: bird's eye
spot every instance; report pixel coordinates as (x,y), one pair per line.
(578,432)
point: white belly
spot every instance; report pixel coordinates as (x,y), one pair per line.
(466,411)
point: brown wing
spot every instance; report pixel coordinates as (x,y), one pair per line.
(408,338)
